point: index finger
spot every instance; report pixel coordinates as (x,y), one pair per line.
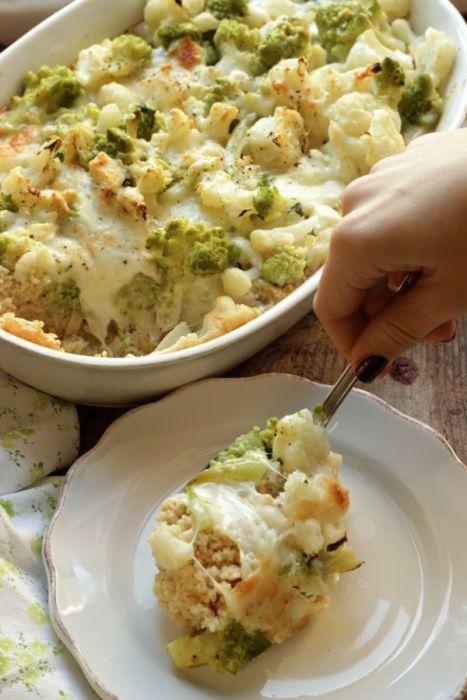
(342,290)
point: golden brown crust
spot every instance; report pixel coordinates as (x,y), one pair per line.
(29,330)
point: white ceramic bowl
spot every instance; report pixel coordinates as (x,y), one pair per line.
(131,380)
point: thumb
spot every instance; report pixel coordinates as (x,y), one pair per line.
(399,326)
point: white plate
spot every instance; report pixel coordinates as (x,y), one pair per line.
(396,629)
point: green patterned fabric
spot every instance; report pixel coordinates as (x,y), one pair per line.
(38,435)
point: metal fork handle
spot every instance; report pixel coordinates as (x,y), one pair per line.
(333,400)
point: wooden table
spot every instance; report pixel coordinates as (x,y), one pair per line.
(438,396)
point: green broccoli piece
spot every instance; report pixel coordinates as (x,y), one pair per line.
(289,37)
(229,650)
(255,439)
(223,90)
(129,54)
(264,198)
(389,74)
(231,31)
(319,414)
(212,54)
(169,32)
(115,142)
(144,121)
(420,103)
(49,89)
(7,204)
(284,267)
(340,24)
(12,247)
(138,295)
(194,248)
(224,9)
(246,459)
(62,295)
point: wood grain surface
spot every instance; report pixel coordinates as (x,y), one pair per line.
(438,396)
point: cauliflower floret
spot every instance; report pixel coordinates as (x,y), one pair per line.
(289,76)
(383,138)
(262,11)
(181,131)
(368,49)
(320,497)
(157,11)
(356,120)
(308,535)
(114,93)
(324,86)
(107,171)
(236,283)
(110,117)
(224,316)
(395,8)
(219,121)
(164,89)
(219,191)
(113,58)
(435,56)
(277,142)
(300,443)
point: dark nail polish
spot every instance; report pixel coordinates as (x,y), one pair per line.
(368,369)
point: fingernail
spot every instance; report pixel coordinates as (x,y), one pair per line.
(453,337)
(369,369)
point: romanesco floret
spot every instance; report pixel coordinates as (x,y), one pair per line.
(115,142)
(224,89)
(62,295)
(340,24)
(136,296)
(287,38)
(389,74)
(7,204)
(420,103)
(129,54)
(172,242)
(169,32)
(264,198)
(144,121)
(223,9)
(49,89)
(195,248)
(229,650)
(255,439)
(231,31)
(212,253)
(284,267)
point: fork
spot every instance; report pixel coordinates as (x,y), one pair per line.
(323,412)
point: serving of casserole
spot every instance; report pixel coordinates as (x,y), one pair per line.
(179,179)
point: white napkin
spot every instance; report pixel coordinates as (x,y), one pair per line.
(38,435)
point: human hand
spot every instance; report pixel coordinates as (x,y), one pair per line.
(408,214)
